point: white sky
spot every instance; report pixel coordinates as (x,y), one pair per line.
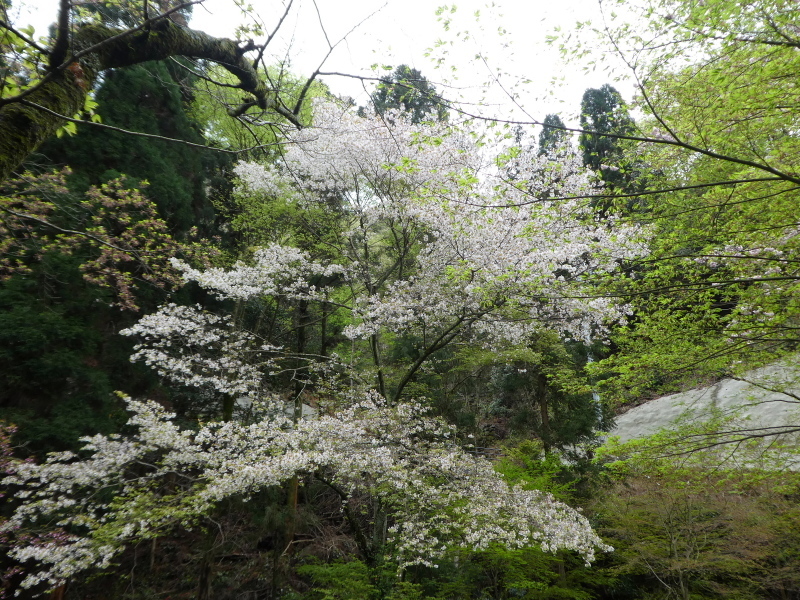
(403,31)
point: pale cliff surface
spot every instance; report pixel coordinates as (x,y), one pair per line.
(766,397)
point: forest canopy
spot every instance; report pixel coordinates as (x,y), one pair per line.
(260,341)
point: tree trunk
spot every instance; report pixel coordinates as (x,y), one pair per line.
(23,127)
(153,552)
(58,593)
(541,395)
(323,333)
(204,581)
(299,386)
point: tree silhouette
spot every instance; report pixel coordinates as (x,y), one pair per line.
(408,90)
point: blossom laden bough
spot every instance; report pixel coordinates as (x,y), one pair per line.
(195,348)
(401,455)
(276,271)
(469,242)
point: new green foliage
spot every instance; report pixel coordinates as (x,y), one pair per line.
(718,292)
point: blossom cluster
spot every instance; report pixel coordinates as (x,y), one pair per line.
(276,271)
(490,242)
(400,454)
(195,348)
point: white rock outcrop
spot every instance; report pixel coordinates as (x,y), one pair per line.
(766,397)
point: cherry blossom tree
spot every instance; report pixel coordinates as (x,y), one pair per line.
(165,477)
(436,244)
(430,246)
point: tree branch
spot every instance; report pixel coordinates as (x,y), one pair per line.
(149,135)
(358,532)
(75,57)
(445,338)
(331,48)
(96,48)
(679,188)
(61,45)
(68,231)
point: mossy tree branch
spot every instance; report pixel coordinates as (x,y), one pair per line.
(24,125)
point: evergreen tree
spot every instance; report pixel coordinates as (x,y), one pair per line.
(603,112)
(149,98)
(408,90)
(553,135)
(60,366)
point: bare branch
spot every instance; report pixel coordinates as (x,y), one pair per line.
(316,73)
(794,397)
(743,436)
(7,26)
(235,86)
(612,196)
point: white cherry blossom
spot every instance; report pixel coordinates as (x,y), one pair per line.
(498,254)
(441,240)
(195,348)
(401,455)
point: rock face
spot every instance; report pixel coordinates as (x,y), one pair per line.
(766,397)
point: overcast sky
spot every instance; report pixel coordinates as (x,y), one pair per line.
(509,35)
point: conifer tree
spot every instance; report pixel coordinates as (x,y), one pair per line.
(603,112)
(408,90)
(151,98)
(553,134)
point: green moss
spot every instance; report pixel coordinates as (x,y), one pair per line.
(23,127)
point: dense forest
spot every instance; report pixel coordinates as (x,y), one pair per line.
(261,342)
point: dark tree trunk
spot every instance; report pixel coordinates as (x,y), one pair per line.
(541,397)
